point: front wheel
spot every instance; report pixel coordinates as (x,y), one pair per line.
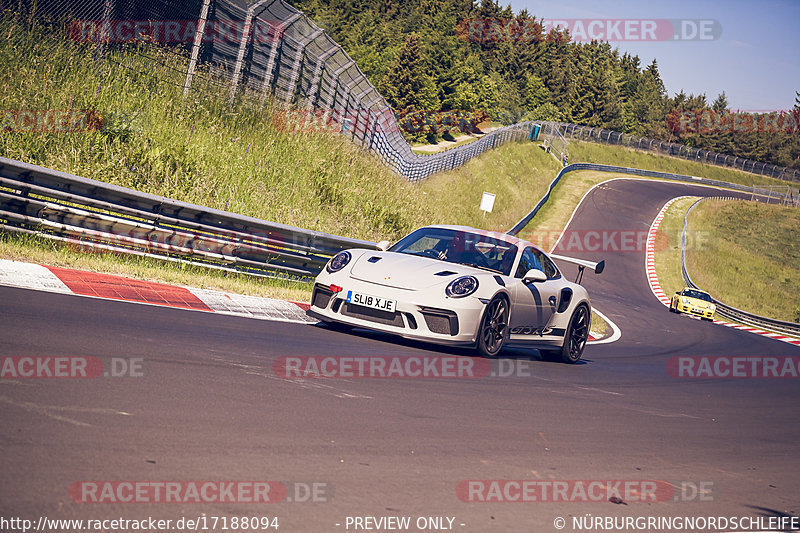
(574,338)
(493,330)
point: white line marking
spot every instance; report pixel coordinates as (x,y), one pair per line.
(615,336)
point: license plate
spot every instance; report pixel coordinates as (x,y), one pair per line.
(373,302)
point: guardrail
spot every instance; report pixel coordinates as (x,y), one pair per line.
(98,216)
(727,311)
(524,221)
(600,135)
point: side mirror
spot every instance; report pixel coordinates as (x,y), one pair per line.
(534,275)
(384,245)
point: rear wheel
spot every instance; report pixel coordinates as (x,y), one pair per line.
(493,330)
(574,339)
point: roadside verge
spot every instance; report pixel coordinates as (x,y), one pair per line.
(659,293)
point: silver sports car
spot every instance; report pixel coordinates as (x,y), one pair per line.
(459,286)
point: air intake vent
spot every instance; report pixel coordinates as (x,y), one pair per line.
(440,321)
(446,273)
(373,259)
(321,297)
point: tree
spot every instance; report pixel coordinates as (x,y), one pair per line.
(612,112)
(646,109)
(489,9)
(464,97)
(721,103)
(546,111)
(536,93)
(407,78)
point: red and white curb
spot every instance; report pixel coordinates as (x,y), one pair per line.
(655,286)
(110,287)
(91,284)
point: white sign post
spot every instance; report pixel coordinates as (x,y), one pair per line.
(487,203)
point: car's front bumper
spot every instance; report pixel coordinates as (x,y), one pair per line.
(696,311)
(418,315)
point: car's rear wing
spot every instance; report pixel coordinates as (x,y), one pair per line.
(582,264)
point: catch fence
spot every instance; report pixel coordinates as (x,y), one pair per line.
(268,51)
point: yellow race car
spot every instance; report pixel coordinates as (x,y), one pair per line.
(693,302)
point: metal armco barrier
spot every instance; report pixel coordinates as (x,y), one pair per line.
(599,135)
(633,171)
(726,311)
(99,216)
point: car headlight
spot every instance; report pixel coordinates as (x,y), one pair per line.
(712,308)
(685,301)
(338,262)
(463,286)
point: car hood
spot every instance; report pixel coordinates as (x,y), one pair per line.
(698,303)
(406,271)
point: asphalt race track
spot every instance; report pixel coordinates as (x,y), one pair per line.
(209,406)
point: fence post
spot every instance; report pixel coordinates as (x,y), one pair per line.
(277,39)
(344,119)
(293,75)
(198,39)
(314,89)
(359,99)
(104,30)
(237,67)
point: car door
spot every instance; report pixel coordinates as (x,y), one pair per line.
(535,303)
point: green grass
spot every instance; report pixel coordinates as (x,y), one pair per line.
(43,251)
(233,157)
(668,246)
(197,149)
(518,173)
(760,272)
(583,152)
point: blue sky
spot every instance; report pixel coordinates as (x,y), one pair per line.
(755,60)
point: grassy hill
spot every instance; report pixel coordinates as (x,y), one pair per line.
(759,241)
(232,157)
(764,269)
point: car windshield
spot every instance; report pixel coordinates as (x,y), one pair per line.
(691,293)
(461,247)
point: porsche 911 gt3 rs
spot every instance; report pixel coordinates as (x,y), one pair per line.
(458,286)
